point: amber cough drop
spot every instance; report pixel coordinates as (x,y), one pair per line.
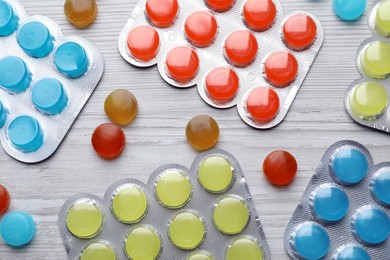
(80,13)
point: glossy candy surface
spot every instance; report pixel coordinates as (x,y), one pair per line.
(202,132)
(121,107)
(352,252)
(108,140)
(98,251)
(259,15)
(215,174)
(382,19)
(281,68)
(263,104)
(201,28)
(162,13)
(220,5)
(182,64)
(380,186)
(222,84)
(241,48)
(244,248)
(143,243)
(375,60)
(349,166)
(349,10)
(299,32)
(5,199)
(81,13)
(280,167)
(143,42)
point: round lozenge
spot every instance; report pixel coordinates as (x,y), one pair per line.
(349,10)
(370,225)
(173,188)
(375,60)
(108,140)
(187,230)
(220,5)
(263,104)
(215,174)
(201,28)
(382,19)
(143,42)
(351,252)
(129,204)
(121,107)
(80,13)
(16,80)
(349,166)
(161,13)
(241,48)
(85,219)
(182,64)
(259,15)
(280,167)
(49,96)
(281,68)
(5,199)
(222,84)
(143,243)
(71,60)
(25,134)
(368,100)
(17,228)
(230,215)
(202,132)
(8,19)
(35,39)
(380,187)
(244,247)
(310,241)
(329,203)
(98,251)
(200,255)
(299,32)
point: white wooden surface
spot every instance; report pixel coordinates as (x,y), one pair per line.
(316,120)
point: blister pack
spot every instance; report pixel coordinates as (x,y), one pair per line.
(45,80)
(344,211)
(244,53)
(367,98)
(205,212)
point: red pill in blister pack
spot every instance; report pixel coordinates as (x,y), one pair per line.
(228,49)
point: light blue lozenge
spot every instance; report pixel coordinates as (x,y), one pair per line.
(349,166)
(18,78)
(370,225)
(3,115)
(8,19)
(352,252)
(380,187)
(349,10)
(35,39)
(17,228)
(329,203)
(25,133)
(71,60)
(311,241)
(49,97)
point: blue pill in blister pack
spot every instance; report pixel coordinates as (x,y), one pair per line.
(17,228)
(49,96)
(3,115)
(17,79)
(310,241)
(35,39)
(380,187)
(349,10)
(351,252)
(8,19)
(349,166)
(329,203)
(370,225)
(71,60)
(25,134)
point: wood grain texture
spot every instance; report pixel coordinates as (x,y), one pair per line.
(316,120)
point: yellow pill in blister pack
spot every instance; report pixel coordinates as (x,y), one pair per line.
(215,174)
(375,60)
(143,243)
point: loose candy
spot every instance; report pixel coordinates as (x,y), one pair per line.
(108,140)
(280,167)
(202,132)
(81,13)
(121,107)
(4,199)
(349,10)
(17,228)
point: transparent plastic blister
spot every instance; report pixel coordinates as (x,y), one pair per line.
(250,74)
(50,93)
(344,210)
(367,98)
(205,210)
